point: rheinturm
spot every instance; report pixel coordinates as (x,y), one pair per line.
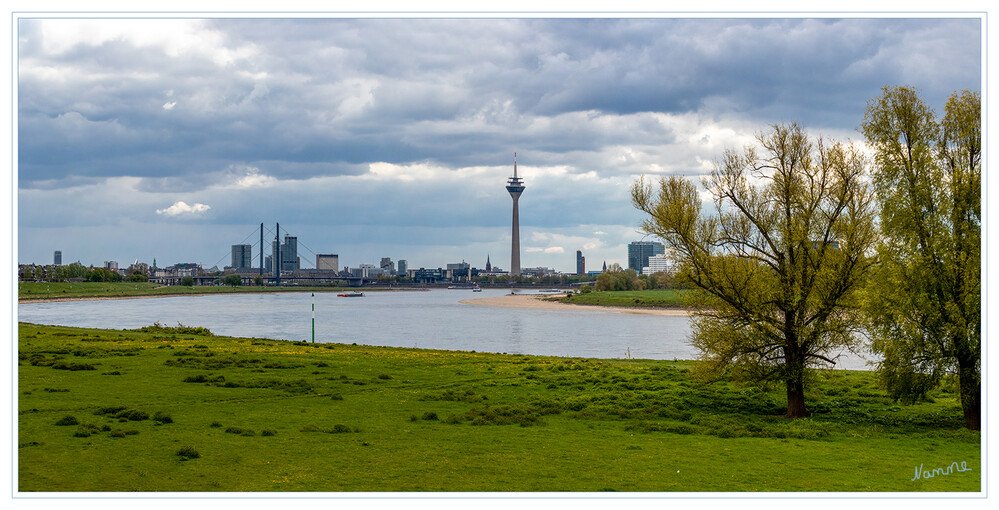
(515,186)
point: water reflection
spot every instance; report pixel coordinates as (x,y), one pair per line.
(431,320)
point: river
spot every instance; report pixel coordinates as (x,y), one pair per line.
(432,320)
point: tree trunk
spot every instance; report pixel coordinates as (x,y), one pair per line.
(796,399)
(971,395)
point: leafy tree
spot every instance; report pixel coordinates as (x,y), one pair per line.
(779,261)
(187,281)
(925,303)
(619,280)
(138,276)
(233,280)
(258,280)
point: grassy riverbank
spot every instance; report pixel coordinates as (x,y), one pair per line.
(29,291)
(660,298)
(177,409)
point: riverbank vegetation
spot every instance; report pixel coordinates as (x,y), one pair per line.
(179,409)
(661,298)
(28,291)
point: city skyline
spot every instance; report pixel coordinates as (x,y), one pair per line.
(168,138)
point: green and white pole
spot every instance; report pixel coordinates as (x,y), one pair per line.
(313,317)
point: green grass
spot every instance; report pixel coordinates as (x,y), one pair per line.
(637,298)
(27,291)
(179,409)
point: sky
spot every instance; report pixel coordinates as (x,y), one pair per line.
(174,138)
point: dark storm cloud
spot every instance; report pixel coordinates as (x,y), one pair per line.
(357,91)
(264,119)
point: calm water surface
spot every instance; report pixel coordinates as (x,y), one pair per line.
(432,319)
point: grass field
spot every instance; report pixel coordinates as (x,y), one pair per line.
(27,291)
(639,298)
(178,409)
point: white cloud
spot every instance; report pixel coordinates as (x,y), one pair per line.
(181,207)
(169,105)
(550,249)
(252,178)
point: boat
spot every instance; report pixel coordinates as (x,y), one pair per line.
(476,289)
(351,294)
(550,291)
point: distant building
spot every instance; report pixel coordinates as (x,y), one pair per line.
(580,263)
(430,276)
(242,256)
(537,271)
(387,265)
(459,271)
(366,271)
(287,253)
(489,266)
(640,251)
(403,266)
(328,262)
(111,264)
(58,258)
(657,264)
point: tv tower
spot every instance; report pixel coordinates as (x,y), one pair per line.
(515,186)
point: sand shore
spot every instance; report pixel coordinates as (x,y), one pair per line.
(539,302)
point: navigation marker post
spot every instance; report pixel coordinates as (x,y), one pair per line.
(313,317)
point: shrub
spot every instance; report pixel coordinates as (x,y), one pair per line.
(67,420)
(429,416)
(109,410)
(162,418)
(86,430)
(384,376)
(132,415)
(215,424)
(268,432)
(339,428)
(117,433)
(188,452)
(336,397)
(62,365)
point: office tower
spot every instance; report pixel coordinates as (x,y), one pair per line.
(387,265)
(580,263)
(242,256)
(289,253)
(58,258)
(515,186)
(328,262)
(640,251)
(403,266)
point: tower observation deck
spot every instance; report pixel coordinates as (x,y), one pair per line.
(515,186)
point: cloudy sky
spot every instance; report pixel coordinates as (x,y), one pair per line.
(175,138)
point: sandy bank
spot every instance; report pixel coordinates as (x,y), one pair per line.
(539,302)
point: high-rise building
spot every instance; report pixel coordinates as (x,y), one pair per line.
(58,258)
(580,263)
(403,266)
(640,251)
(657,264)
(328,262)
(387,265)
(289,253)
(242,256)
(515,186)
